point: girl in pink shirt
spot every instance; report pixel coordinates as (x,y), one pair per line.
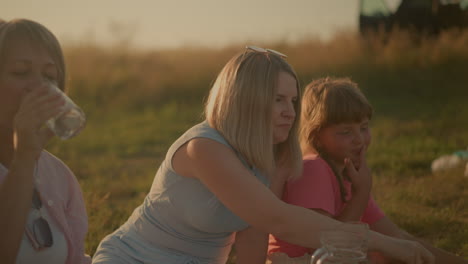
(43,216)
(336,180)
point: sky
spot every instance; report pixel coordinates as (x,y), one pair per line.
(178,23)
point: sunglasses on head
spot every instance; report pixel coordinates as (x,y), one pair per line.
(266,51)
(39,232)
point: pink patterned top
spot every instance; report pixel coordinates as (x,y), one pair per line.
(62,197)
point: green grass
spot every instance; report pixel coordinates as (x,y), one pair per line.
(138,103)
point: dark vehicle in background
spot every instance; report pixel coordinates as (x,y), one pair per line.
(422,16)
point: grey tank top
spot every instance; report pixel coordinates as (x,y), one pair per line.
(180,216)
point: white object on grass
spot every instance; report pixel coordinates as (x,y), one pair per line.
(445,162)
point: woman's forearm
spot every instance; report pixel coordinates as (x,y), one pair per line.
(301,226)
(15,202)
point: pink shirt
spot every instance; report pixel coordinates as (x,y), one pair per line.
(62,197)
(318,188)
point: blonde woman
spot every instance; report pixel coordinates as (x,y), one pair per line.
(211,192)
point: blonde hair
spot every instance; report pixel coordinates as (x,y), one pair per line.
(329,101)
(36,34)
(240,106)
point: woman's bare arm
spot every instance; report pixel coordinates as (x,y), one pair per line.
(220,170)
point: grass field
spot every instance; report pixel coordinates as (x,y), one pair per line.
(139,102)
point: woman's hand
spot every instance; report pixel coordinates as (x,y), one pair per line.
(408,251)
(37,106)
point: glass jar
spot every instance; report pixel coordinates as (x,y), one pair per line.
(346,244)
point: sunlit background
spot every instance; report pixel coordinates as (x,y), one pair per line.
(171,24)
(141,71)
